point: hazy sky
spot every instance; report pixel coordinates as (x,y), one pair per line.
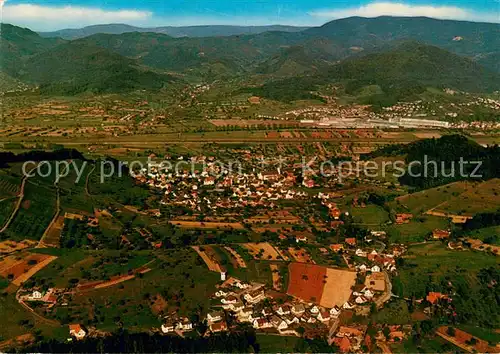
(56,14)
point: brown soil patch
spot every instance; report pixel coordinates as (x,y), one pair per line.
(325,286)
(306,281)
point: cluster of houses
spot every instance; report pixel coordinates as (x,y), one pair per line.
(326,112)
(232,190)
(247,303)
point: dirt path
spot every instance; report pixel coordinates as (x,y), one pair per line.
(87,181)
(38,316)
(19,201)
(454,342)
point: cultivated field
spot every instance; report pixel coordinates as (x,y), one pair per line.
(276,277)
(7,247)
(325,286)
(22,267)
(239,260)
(207,255)
(207,225)
(337,289)
(300,255)
(263,250)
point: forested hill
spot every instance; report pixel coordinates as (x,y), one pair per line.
(437,161)
(417,63)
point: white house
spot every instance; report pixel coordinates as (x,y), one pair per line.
(335,311)
(279,323)
(298,309)
(254,296)
(361,253)
(314,310)
(375,269)
(283,310)
(245,313)
(369,294)
(185,325)
(348,306)
(77,331)
(231,299)
(360,300)
(266,312)
(290,319)
(36,295)
(214,316)
(362,268)
(220,293)
(242,285)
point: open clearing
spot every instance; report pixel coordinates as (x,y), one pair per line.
(421,202)
(482,197)
(264,249)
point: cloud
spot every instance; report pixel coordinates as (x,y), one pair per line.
(49,18)
(400,9)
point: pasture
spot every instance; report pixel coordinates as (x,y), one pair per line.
(428,264)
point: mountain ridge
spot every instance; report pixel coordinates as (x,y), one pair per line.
(174,31)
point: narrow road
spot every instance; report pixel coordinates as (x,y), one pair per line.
(19,202)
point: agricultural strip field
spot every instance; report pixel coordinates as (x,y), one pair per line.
(239,260)
(208,257)
(208,225)
(20,268)
(7,247)
(263,251)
